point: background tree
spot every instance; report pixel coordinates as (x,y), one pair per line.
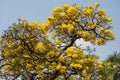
(114,59)
(49,51)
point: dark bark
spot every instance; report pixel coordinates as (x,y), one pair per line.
(54,75)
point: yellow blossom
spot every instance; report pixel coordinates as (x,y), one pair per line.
(57,9)
(114,66)
(77,66)
(81,61)
(64,26)
(39,72)
(112,36)
(100,41)
(84,34)
(13,61)
(65,6)
(71,65)
(74,55)
(69,50)
(8,68)
(90,23)
(26,55)
(88,77)
(50,54)
(57,41)
(62,14)
(101,12)
(107,32)
(70,27)
(36,23)
(86,67)
(39,67)
(6,53)
(63,69)
(46,62)
(54,35)
(30,25)
(107,19)
(72,77)
(61,58)
(100,66)
(69,54)
(72,11)
(97,4)
(44,27)
(87,11)
(28,66)
(91,6)
(58,67)
(77,6)
(39,46)
(84,72)
(50,18)
(100,76)
(99,63)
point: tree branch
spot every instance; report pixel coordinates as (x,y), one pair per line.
(71,43)
(54,75)
(16,76)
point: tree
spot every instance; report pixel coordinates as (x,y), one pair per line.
(114,60)
(48,51)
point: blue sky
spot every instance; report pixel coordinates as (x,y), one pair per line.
(39,10)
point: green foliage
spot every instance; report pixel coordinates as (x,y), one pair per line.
(114,58)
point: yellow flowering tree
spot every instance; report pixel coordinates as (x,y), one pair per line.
(48,51)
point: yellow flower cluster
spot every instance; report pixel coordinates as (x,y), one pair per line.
(92,25)
(33,24)
(45,26)
(39,69)
(101,12)
(28,66)
(61,68)
(50,54)
(61,58)
(76,66)
(88,11)
(39,46)
(6,53)
(66,20)
(72,10)
(26,55)
(107,19)
(68,27)
(84,34)
(101,41)
(73,52)
(108,33)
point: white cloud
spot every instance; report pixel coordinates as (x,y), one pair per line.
(82,43)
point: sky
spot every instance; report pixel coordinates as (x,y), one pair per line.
(39,10)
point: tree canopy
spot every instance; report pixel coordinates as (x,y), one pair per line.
(48,51)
